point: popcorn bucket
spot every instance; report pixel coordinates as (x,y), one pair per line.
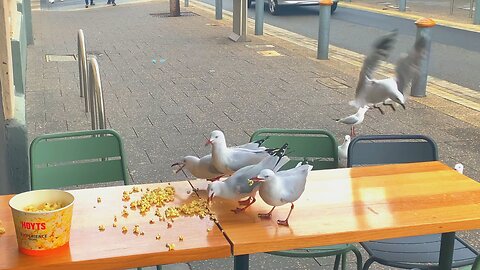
(42,220)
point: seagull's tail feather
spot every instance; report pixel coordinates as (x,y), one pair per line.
(261,141)
(284,160)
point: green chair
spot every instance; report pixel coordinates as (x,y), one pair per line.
(319,149)
(77,158)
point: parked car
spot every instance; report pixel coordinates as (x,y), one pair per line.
(275,5)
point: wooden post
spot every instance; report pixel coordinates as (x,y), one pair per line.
(6,65)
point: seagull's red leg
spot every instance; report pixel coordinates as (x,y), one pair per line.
(245,202)
(268,215)
(238,210)
(285,222)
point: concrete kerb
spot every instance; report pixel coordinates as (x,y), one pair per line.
(440,94)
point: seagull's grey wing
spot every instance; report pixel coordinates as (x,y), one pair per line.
(408,66)
(206,162)
(381,49)
(349,120)
(239,179)
(254,145)
(239,158)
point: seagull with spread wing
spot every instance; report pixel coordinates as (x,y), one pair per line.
(373,92)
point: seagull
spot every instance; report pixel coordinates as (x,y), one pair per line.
(199,167)
(282,187)
(343,149)
(374,92)
(228,160)
(354,119)
(238,186)
(459,167)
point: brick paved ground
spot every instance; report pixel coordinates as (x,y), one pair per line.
(201,81)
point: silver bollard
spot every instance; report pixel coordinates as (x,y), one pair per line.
(259,15)
(419,84)
(402,5)
(476,17)
(324,29)
(187,3)
(218,9)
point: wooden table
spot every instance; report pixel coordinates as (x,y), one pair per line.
(359,204)
(92,249)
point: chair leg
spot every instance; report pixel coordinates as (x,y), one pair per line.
(337,262)
(344,261)
(159,267)
(476,263)
(368,263)
(359,258)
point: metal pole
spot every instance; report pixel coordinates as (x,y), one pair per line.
(97,104)
(259,14)
(243,20)
(324,29)
(240,262)
(218,9)
(452,6)
(187,3)
(419,84)
(470,12)
(82,67)
(446,251)
(476,19)
(402,5)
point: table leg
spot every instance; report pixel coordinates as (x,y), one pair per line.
(446,251)
(240,262)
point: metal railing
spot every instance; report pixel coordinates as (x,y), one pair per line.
(97,105)
(90,85)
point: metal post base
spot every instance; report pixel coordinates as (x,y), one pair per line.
(446,251)
(240,262)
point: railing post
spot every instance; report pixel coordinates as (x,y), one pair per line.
(476,18)
(97,106)
(218,9)
(419,84)
(82,67)
(324,29)
(259,15)
(402,5)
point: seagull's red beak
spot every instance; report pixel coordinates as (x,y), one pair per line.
(209,141)
(210,198)
(257,179)
(178,164)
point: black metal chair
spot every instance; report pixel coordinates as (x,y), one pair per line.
(421,252)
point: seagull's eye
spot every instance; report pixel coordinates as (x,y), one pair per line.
(216,137)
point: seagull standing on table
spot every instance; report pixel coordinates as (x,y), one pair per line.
(376,92)
(354,119)
(238,186)
(203,167)
(282,187)
(343,149)
(228,160)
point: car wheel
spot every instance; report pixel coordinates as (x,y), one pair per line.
(334,7)
(249,3)
(273,7)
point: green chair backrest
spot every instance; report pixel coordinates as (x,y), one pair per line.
(77,158)
(317,146)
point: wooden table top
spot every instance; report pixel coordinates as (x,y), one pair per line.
(110,249)
(358,204)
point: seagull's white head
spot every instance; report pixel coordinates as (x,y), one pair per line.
(265,176)
(188,162)
(347,139)
(215,137)
(363,109)
(213,190)
(459,167)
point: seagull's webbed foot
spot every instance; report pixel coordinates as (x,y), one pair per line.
(214,179)
(245,202)
(282,222)
(267,215)
(239,210)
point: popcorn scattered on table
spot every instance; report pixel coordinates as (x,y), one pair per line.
(126,196)
(180,238)
(170,246)
(136,229)
(169,225)
(124,213)
(114,224)
(209,229)
(2,229)
(124,229)
(151,221)
(158,237)
(115,218)
(99,200)
(101,228)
